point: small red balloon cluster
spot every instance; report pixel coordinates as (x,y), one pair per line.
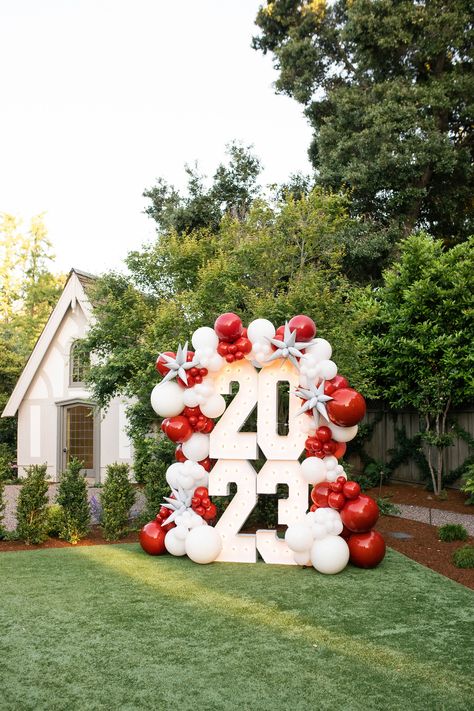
(195,374)
(181,427)
(202,504)
(152,535)
(359,513)
(322,445)
(233,342)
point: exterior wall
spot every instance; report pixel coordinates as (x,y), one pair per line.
(39,412)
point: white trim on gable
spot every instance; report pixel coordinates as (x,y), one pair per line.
(73,293)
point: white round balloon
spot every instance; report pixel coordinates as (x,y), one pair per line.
(172,474)
(173,544)
(330,555)
(313,470)
(327,369)
(167,399)
(260,329)
(203,544)
(214,407)
(320,349)
(299,537)
(205,337)
(342,434)
(303,558)
(196,447)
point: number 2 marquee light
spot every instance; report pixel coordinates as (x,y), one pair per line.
(212,452)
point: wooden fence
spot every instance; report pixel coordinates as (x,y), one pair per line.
(383,439)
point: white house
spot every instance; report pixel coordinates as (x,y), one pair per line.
(57,419)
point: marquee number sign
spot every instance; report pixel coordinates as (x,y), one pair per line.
(233,449)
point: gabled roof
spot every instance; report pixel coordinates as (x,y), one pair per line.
(73,292)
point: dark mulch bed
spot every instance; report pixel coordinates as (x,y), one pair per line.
(95,538)
(417,495)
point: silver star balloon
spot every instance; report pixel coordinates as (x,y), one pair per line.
(178,365)
(288,347)
(179,505)
(315,400)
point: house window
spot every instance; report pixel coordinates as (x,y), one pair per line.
(79,363)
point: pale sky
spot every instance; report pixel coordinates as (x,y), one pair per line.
(100,97)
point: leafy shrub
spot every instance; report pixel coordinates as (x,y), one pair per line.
(468,485)
(2,506)
(72,496)
(117,499)
(54,520)
(31,511)
(387,507)
(464,557)
(452,532)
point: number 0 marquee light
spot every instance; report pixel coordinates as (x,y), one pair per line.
(212,452)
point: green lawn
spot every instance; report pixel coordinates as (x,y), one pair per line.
(108,627)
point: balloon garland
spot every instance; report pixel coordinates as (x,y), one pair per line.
(339,525)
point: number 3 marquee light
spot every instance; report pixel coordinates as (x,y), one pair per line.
(213,452)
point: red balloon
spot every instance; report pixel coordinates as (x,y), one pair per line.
(228,327)
(160,364)
(314,507)
(201,492)
(206,463)
(340,450)
(177,429)
(279,335)
(304,326)
(366,549)
(324,434)
(319,494)
(152,538)
(347,407)
(210,513)
(178,454)
(192,411)
(336,383)
(337,486)
(351,489)
(336,500)
(346,534)
(243,345)
(360,514)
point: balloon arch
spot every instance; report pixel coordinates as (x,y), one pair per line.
(212,452)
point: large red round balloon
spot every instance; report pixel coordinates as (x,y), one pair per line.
(304,326)
(347,407)
(177,429)
(160,364)
(366,549)
(228,327)
(340,450)
(320,493)
(360,514)
(152,538)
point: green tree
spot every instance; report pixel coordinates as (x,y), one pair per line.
(72,497)
(117,498)
(234,187)
(418,334)
(32,505)
(388,87)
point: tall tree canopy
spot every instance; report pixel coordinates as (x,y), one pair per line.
(388,87)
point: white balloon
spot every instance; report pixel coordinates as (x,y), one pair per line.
(303,558)
(172,475)
(203,544)
(167,399)
(190,398)
(335,526)
(327,369)
(214,407)
(196,447)
(205,337)
(216,362)
(299,537)
(259,330)
(319,531)
(330,555)
(313,470)
(173,544)
(343,434)
(320,349)
(330,462)
(180,532)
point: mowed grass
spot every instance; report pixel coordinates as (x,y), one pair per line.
(108,627)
